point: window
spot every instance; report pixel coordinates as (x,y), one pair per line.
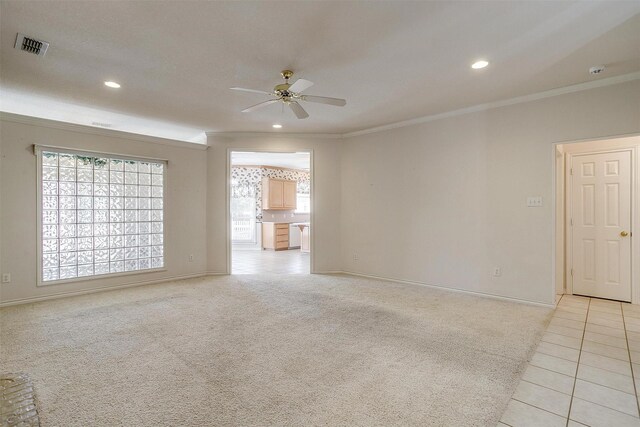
(99,214)
(303,197)
(303,204)
(243,213)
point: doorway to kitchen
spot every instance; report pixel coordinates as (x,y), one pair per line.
(270,202)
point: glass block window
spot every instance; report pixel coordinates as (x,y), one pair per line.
(99,215)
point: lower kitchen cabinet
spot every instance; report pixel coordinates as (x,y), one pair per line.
(275,236)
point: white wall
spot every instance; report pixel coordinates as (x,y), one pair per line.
(325,189)
(443,202)
(438,203)
(185,211)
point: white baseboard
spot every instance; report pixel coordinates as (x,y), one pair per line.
(101,289)
(444,288)
(217,273)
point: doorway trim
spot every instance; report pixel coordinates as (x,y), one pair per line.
(228,199)
(565,186)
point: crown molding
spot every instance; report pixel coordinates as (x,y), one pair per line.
(54,124)
(430,118)
(497,104)
(274,134)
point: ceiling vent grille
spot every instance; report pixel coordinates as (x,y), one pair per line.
(31,45)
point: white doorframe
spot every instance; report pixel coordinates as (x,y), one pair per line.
(228,199)
(618,143)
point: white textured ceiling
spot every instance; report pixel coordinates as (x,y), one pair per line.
(283,160)
(392,61)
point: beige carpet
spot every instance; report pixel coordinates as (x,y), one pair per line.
(271,350)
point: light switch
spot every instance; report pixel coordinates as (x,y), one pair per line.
(534,202)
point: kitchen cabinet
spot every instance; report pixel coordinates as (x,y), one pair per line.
(275,236)
(279,194)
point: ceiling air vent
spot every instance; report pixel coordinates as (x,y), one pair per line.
(31,45)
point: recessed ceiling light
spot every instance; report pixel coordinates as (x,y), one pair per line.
(479,64)
(112,84)
(276,126)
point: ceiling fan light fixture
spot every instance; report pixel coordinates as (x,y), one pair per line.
(276,126)
(479,64)
(289,94)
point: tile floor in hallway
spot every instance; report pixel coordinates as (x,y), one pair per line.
(586,369)
(275,262)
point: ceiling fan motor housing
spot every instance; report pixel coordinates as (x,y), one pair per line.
(284,87)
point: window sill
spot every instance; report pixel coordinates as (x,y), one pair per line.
(99,276)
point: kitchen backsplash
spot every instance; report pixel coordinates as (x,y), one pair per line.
(246,181)
(288,216)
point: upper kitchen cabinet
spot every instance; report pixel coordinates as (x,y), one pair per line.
(278,194)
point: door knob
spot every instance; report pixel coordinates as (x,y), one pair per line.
(624,233)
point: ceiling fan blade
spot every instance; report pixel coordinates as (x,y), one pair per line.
(300,86)
(298,110)
(260,105)
(251,90)
(324,100)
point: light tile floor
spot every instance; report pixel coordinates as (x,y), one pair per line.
(274,262)
(586,369)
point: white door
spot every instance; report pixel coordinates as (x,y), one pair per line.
(601,229)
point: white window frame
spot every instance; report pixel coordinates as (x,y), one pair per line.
(37,150)
(300,211)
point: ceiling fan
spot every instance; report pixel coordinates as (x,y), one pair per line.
(290,94)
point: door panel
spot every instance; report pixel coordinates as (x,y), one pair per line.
(276,194)
(601,210)
(589,257)
(588,212)
(612,205)
(613,262)
(290,194)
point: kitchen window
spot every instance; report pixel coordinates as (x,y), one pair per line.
(99,214)
(303,203)
(303,196)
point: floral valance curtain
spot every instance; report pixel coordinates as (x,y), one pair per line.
(242,190)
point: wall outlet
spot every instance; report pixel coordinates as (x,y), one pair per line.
(190,258)
(356,257)
(534,202)
(497,272)
(6,277)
